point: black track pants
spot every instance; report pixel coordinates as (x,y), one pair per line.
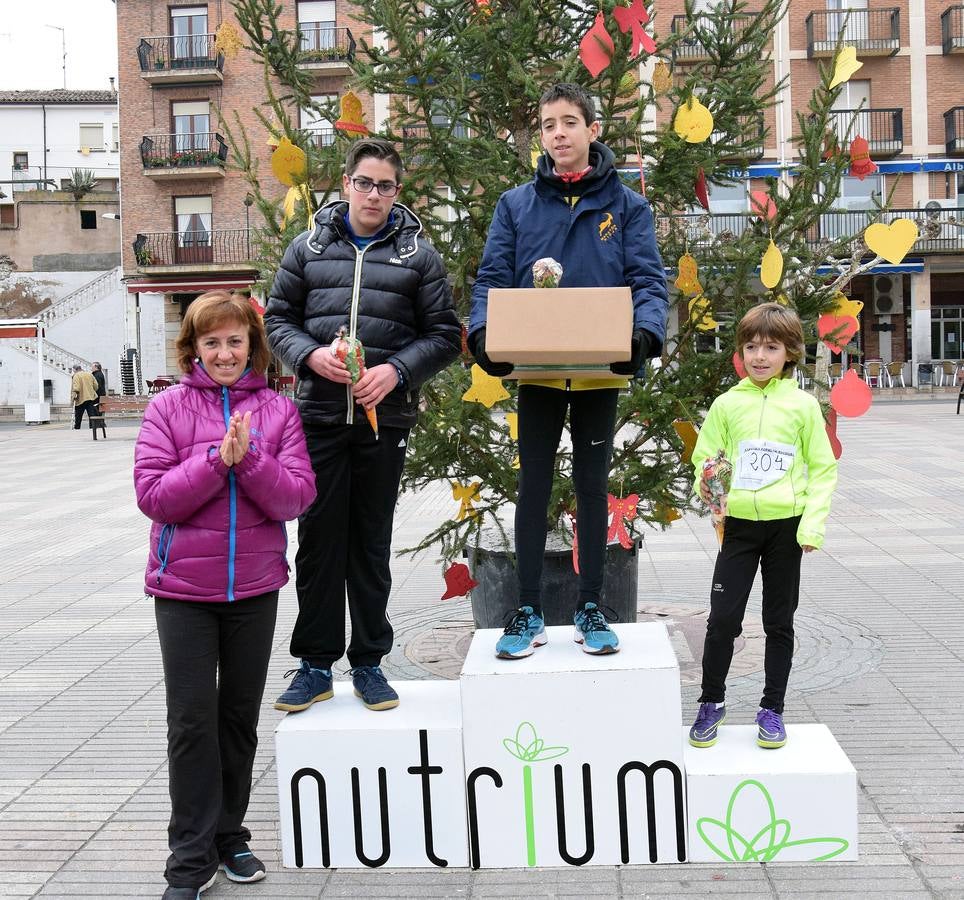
(215,662)
(345,543)
(746,545)
(592,417)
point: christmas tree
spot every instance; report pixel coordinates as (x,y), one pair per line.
(463,79)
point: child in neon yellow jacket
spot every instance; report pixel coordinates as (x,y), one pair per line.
(784,473)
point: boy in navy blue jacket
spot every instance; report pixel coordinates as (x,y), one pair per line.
(577,211)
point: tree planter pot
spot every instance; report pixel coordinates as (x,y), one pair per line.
(493,567)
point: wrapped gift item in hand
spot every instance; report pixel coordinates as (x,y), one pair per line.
(351,352)
(717,474)
(546,273)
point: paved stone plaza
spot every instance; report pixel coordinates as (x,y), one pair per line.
(83,777)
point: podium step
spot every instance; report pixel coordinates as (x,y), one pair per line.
(795,804)
(574,759)
(358,788)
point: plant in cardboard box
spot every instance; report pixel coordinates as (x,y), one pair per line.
(465,80)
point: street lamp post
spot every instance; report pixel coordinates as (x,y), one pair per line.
(248,202)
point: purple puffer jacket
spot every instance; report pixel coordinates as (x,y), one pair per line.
(218,533)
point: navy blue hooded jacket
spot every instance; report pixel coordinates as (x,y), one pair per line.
(605,240)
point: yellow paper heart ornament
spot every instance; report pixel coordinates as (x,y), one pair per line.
(844,306)
(845,66)
(693,122)
(771,267)
(894,241)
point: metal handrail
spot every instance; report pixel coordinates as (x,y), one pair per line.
(939,230)
(692,47)
(231,245)
(182,150)
(863,28)
(954,129)
(324,42)
(883,127)
(169,52)
(952,29)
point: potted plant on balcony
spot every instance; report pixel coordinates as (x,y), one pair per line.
(160,62)
(512,51)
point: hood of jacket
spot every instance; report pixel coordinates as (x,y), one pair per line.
(249,383)
(602,160)
(330,225)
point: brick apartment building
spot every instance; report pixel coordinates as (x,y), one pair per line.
(185,212)
(909,93)
(185,215)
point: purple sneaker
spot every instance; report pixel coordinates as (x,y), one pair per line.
(708,720)
(771,734)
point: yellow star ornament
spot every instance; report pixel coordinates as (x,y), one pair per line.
(485,389)
(844,306)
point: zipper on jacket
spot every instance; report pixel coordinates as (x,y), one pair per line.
(232,504)
(164,542)
(759,435)
(353,320)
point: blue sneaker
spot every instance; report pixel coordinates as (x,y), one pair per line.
(593,632)
(242,866)
(183,893)
(522,635)
(771,733)
(370,684)
(308,686)
(708,720)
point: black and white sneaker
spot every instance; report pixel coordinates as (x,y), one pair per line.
(242,866)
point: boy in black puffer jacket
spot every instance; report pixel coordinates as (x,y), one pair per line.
(365,267)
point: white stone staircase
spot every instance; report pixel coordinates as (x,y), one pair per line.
(54,356)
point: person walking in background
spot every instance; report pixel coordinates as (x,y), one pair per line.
(97,371)
(83,394)
(784,474)
(365,268)
(220,465)
(578,212)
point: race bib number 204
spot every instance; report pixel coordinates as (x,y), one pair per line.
(761,463)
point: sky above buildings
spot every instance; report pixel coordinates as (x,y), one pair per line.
(31,53)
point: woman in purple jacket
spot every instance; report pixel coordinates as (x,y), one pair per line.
(219,467)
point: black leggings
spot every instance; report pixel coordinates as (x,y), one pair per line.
(592,417)
(746,545)
(215,662)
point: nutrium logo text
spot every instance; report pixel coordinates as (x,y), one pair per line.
(528,749)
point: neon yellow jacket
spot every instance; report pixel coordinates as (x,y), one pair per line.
(780,412)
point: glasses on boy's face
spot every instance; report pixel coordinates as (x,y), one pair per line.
(365,185)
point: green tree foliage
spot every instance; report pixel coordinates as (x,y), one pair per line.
(464,84)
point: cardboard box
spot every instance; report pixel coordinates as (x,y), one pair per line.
(574,759)
(560,332)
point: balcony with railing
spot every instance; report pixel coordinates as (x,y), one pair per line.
(748,134)
(954,130)
(325,48)
(883,128)
(940,231)
(174,157)
(952,30)
(873,32)
(319,138)
(696,46)
(168,253)
(180,59)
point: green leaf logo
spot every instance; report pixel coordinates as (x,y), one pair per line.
(768,841)
(528,747)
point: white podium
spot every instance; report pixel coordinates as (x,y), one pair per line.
(573,759)
(359,788)
(794,804)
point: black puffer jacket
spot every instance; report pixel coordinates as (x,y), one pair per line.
(402,312)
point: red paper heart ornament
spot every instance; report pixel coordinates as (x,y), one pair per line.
(836,331)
